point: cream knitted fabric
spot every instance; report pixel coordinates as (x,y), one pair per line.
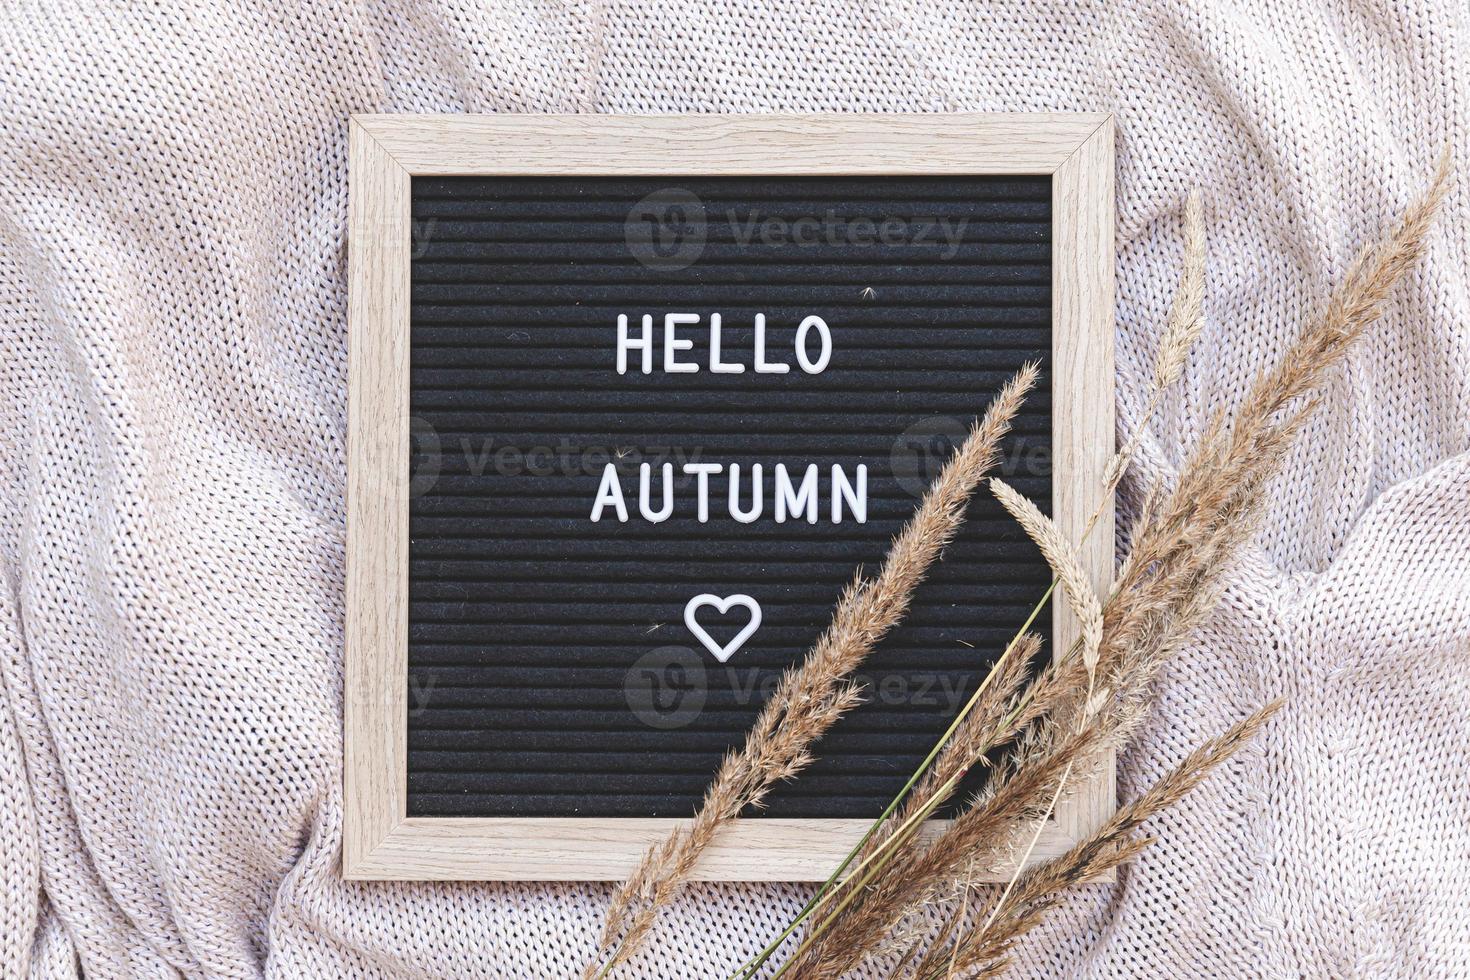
(172,211)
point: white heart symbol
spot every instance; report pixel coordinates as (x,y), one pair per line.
(722,653)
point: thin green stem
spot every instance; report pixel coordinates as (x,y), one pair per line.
(748,969)
(903,833)
(908,829)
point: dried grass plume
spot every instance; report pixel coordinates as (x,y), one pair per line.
(809,699)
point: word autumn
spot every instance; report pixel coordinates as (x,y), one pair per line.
(792,497)
(790,500)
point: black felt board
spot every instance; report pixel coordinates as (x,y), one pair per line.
(550,670)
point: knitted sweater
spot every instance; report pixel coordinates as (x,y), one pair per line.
(172,395)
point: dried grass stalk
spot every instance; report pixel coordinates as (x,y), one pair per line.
(983,730)
(1037,713)
(809,699)
(1064,564)
(1185,322)
(1186,313)
(917,876)
(1167,586)
(1041,889)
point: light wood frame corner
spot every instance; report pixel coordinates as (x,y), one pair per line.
(380,841)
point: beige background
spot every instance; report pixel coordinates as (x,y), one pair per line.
(172,213)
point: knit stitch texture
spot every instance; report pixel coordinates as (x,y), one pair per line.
(172,394)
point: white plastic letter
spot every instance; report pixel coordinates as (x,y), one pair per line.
(842,489)
(611,492)
(715,364)
(791,501)
(626,343)
(645,475)
(822,361)
(702,471)
(757,495)
(673,343)
(761,367)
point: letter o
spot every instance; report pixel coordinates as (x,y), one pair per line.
(802,359)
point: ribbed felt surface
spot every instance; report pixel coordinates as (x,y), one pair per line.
(551,673)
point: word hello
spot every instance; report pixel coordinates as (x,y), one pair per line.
(673,345)
(790,500)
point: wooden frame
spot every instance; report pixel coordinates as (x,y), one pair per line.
(380,841)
